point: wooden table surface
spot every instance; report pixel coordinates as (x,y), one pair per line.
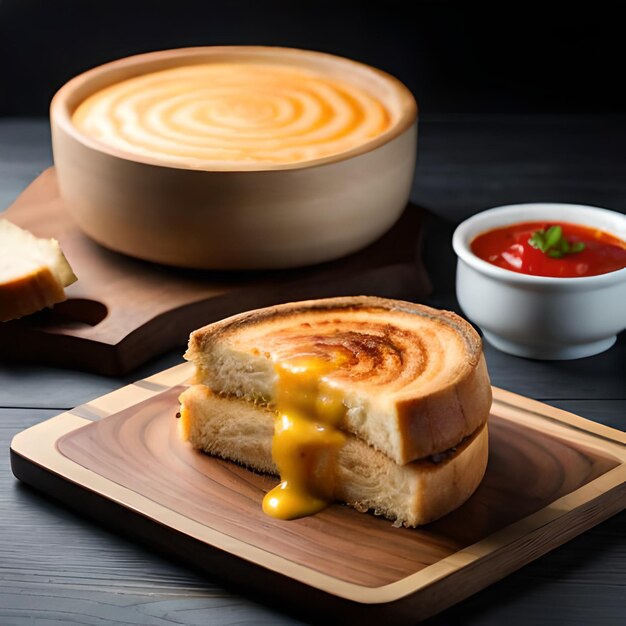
(58,568)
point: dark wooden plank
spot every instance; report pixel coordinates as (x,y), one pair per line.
(104,578)
(44,387)
(608,412)
(470,163)
(598,377)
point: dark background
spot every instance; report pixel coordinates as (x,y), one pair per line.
(457,57)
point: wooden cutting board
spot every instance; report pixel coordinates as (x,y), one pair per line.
(123,311)
(551,476)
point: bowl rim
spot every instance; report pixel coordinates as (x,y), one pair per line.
(61,116)
(467,230)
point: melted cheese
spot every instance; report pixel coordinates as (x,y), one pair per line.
(306,439)
(217,114)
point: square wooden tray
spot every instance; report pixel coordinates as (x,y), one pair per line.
(551,476)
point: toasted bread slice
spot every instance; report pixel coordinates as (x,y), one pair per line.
(33,272)
(411,494)
(413,378)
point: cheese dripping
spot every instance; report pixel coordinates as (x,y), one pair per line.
(306,438)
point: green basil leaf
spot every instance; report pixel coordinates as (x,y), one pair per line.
(552,242)
(553,236)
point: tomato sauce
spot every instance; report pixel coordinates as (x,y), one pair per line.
(509,247)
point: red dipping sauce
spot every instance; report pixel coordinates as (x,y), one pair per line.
(508,247)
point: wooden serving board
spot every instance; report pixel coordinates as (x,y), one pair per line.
(123,311)
(551,475)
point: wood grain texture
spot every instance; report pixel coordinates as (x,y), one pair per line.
(123,311)
(551,476)
(526,472)
(104,578)
(468,163)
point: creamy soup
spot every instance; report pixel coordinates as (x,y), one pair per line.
(233,113)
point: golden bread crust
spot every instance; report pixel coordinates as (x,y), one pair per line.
(33,272)
(27,294)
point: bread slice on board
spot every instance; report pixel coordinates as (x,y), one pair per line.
(33,272)
(413,378)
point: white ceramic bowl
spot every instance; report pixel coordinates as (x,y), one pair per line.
(248,217)
(535,316)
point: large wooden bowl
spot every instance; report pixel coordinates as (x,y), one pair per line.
(274,216)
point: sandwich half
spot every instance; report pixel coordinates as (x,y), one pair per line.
(377,403)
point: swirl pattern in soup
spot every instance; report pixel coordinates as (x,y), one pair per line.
(233,113)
